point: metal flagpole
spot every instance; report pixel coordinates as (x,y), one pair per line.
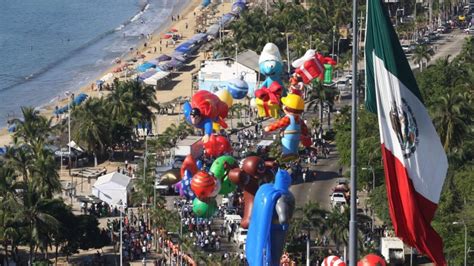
(353,193)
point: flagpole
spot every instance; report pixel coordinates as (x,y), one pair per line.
(353,193)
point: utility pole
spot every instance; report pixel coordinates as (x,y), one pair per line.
(308,240)
(353,203)
(333,36)
(288,53)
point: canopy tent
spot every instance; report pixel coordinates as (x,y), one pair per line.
(145,66)
(199,38)
(113,188)
(213,30)
(264,143)
(153,80)
(76,101)
(163,58)
(170,65)
(147,74)
(74,145)
(179,56)
(187,47)
(226,19)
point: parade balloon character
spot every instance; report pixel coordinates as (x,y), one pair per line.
(333,261)
(220,169)
(297,85)
(372,260)
(294,127)
(268,100)
(205,187)
(252,172)
(271,66)
(217,145)
(188,169)
(272,211)
(238,88)
(204,109)
(203,184)
(312,65)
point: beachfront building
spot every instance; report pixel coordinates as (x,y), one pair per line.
(215,74)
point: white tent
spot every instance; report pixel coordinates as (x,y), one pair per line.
(74,145)
(153,80)
(112,188)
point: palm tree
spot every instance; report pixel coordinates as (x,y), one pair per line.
(90,127)
(45,177)
(33,211)
(33,128)
(422,53)
(338,221)
(451,117)
(19,157)
(8,230)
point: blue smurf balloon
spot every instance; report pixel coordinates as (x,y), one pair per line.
(186,185)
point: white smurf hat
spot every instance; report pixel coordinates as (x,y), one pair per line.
(269,52)
(307,56)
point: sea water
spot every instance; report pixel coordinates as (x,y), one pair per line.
(50,47)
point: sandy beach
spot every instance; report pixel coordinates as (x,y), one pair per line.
(180,85)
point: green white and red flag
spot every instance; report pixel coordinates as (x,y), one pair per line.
(415,163)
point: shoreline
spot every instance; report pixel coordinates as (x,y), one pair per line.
(186,11)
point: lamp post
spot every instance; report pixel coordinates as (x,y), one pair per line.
(120,202)
(465,240)
(288,53)
(333,36)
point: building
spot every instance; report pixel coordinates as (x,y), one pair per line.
(215,74)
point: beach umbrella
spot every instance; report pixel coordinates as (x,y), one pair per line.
(173,30)
(167,36)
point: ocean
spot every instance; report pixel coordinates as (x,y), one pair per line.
(50,47)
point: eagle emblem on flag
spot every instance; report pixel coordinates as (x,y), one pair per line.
(405,127)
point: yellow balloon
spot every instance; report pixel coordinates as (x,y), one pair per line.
(225,96)
(216,127)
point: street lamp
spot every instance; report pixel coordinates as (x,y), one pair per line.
(120,202)
(465,240)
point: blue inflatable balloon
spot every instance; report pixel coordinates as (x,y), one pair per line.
(238,88)
(186,186)
(273,208)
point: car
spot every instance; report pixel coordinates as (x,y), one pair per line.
(240,236)
(338,198)
(469,30)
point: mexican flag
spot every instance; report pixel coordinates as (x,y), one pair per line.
(414,160)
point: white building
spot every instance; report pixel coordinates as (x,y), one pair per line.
(214,74)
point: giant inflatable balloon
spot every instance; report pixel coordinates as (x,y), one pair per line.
(220,169)
(253,171)
(372,260)
(313,65)
(294,127)
(188,169)
(271,65)
(204,209)
(217,145)
(327,73)
(272,211)
(333,261)
(225,96)
(238,88)
(203,185)
(204,109)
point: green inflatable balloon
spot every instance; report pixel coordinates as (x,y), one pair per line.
(220,168)
(327,73)
(204,209)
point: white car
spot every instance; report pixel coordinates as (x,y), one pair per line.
(338,198)
(240,236)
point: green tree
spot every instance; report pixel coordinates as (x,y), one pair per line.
(90,126)
(421,54)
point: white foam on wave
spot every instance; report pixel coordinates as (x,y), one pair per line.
(120,27)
